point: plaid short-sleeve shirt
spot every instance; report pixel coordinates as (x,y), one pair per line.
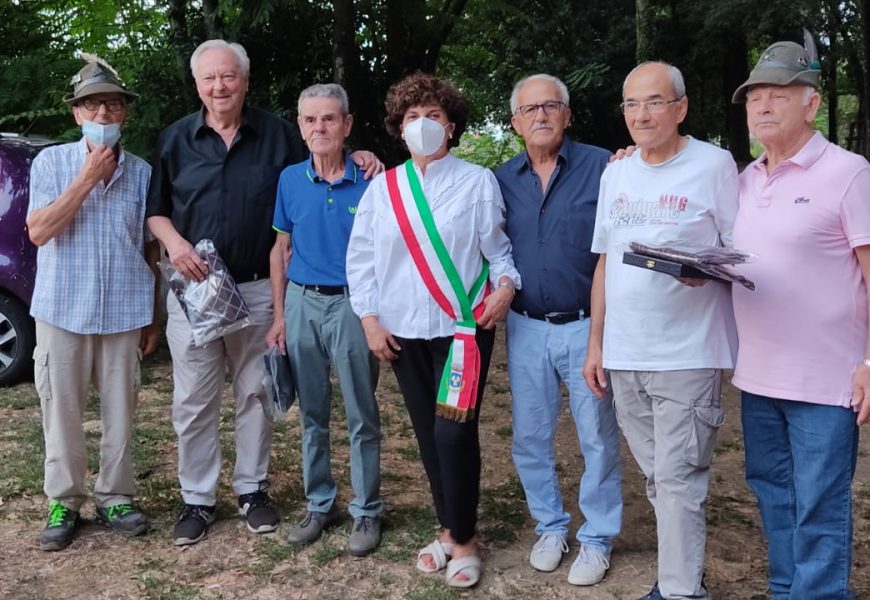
(92,278)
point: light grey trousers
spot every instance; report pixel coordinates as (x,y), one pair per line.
(65,365)
(198,375)
(670,420)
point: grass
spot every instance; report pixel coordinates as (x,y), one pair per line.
(21,452)
(502,512)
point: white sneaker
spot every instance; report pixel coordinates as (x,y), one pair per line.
(547,552)
(589,568)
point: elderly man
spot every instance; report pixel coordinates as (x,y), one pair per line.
(804,361)
(550,191)
(215,178)
(314,212)
(665,342)
(93,303)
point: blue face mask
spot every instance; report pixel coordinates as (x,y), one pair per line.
(97,133)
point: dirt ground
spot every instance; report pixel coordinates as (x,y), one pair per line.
(232,563)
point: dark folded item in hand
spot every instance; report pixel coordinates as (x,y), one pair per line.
(701,262)
(280,383)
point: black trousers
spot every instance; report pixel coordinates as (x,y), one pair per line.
(450,450)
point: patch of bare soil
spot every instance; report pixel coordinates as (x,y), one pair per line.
(232,563)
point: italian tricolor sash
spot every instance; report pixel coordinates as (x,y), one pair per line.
(457,393)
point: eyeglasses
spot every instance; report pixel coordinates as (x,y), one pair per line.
(550,108)
(112,104)
(652,106)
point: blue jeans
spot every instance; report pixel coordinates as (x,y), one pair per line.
(800,460)
(321,331)
(541,354)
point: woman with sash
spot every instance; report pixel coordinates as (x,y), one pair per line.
(430,273)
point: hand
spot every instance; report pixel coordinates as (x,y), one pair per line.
(692,281)
(497,305)
(184,258)
(593,371)
(276,336)
(148,339)
(368,162)
(622,153)
(861,393)
(99,165)
(381,342)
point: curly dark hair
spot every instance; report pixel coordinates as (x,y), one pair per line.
(424,88)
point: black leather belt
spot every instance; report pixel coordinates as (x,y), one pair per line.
(324,290)
(556,318)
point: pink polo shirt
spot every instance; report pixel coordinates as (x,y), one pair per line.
(803,331)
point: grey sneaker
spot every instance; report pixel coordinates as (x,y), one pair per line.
(60,527)
(312,525)
(547,552)
(364,536)
(590,566)
(122,518)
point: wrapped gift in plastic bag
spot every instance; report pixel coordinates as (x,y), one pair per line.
(214,306)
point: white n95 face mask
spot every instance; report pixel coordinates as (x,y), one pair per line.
(98,133)
(424,136)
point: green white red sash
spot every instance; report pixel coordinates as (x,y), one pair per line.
(457,393)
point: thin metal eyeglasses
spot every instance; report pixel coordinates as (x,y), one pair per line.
(112,104)
(550,108)
(652,106)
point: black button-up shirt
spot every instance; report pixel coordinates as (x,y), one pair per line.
(551,232)
(225,195)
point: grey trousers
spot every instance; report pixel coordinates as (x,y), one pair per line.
(198,376)
(670,420)
(65,365)
(323,331)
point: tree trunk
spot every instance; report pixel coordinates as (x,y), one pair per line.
(644,31)
(734,72)
(829,68)
(214,26)
(179,41)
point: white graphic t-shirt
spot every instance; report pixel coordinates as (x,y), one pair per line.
(652,321)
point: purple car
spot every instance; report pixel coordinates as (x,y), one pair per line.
(17,257)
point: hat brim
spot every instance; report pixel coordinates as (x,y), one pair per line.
(775,76)
(99,88)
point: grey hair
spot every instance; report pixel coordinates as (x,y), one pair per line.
(325,90)
(674,73)
(237,49)
(563,89)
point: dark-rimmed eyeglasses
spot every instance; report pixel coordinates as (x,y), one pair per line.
(550,108)
(652,106)
(112,104)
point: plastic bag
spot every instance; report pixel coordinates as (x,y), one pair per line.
(214,306)
(279,382)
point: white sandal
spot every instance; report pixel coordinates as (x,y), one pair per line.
(471,566)
(440,553)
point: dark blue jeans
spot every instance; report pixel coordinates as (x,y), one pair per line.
(800,460)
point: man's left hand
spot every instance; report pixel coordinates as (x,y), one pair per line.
(368,162)
(497,305)
(861,393)
(148,339)
(692,281)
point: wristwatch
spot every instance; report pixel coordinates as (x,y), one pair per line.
(509,283)
(867,362)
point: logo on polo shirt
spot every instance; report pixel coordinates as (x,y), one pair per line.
(801,200)
(351,210)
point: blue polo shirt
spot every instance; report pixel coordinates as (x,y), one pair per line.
(551,232)
(318,215)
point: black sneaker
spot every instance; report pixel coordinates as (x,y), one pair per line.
(654,593)
(122,518)
(258,511)
(60,527)
(192,524)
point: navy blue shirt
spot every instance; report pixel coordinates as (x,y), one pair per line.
(318,215)
(551,232)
